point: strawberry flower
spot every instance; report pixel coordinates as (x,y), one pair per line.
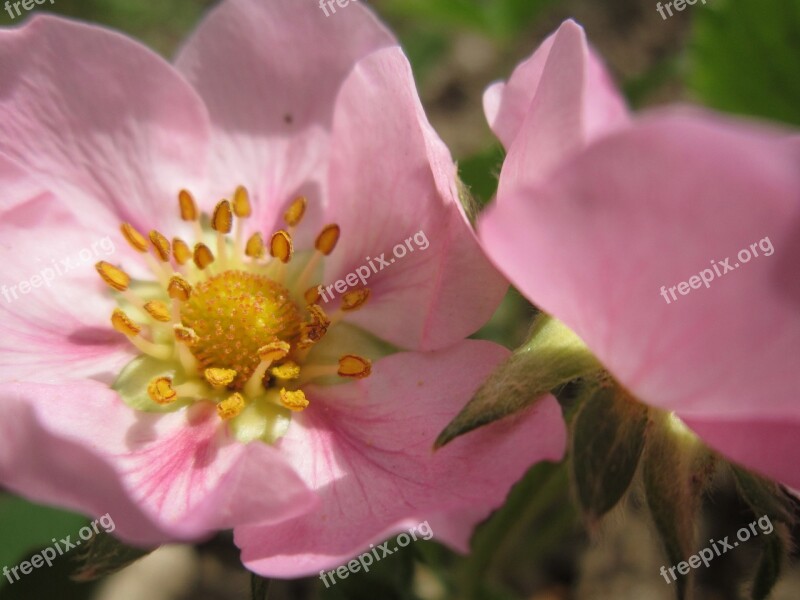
(201,382)
(653,241)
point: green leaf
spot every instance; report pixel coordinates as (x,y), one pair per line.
(26,526)
(764,497)
(676,469)
(104,555)
(607,443)
(259,587)
(745,55)
(480,173)
(553,356)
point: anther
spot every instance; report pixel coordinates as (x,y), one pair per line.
(327,239)
(161,391)
(241,203)
(136,240)
(294,214)
(222,220)
(293,400)
(124,324)
(355,367)
(202,256)
(181,251)
(179,288)
(219,377)
(231,407)
(288,370)
(255,246)
(281,246)
(115,277)
(188,206)
(158,310)
(355,299)
(161,246)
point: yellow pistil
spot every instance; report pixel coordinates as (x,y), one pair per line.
(158,310)
(136,240)
(255,246)
(115,277)
(231,407)
(202,256)
(161,391)
(181,251)
(281,246)
(354,366)
(219,377)
(355,299)
(293,400)
(288,370)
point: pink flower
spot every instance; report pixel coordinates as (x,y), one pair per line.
(240,398)
(626,239)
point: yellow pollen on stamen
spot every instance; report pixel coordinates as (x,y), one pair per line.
(188,206)
(231,407)
(123,323)
(293,400)
(255,246)
(219,377)
(355,299)
(158,310)
(115,277)
(186,335)
(281,246)
(241,203)
(136,240)
(274,351)
(294,214)
(312,295)
(354,366)
(222,220)
(181,251)
(161,391)
(179,288)
(161,246)
(202,256)
(288,370)
(316,329)
(327,239)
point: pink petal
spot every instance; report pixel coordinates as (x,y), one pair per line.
(269,73)
(367,449)
(53,307)
(392,178)
(160,477)
(101,121)
(554,104)
(652,207)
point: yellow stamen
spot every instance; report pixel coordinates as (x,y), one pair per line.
(158,310)
(327,239)
(281,246)
(202,256)
(219,377)
(186,335)
(179,288)
(161,246)
(312,295)
(315,330)
(354,366)
(115,277)
(294,214)
(137,241)
(161,391)
(268,354)
(186,338)
(274,351)
(294,400)
(222,220)
(241,203)
(231,407)
(123,323)
(288,370)
(188,206)
(355,299)
(255,246)
(181,251)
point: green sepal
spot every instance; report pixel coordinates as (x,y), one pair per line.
(553,356)
(104,555)
(607,443)
(131,384)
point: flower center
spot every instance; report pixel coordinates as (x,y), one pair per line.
(234,314)
(230,327)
